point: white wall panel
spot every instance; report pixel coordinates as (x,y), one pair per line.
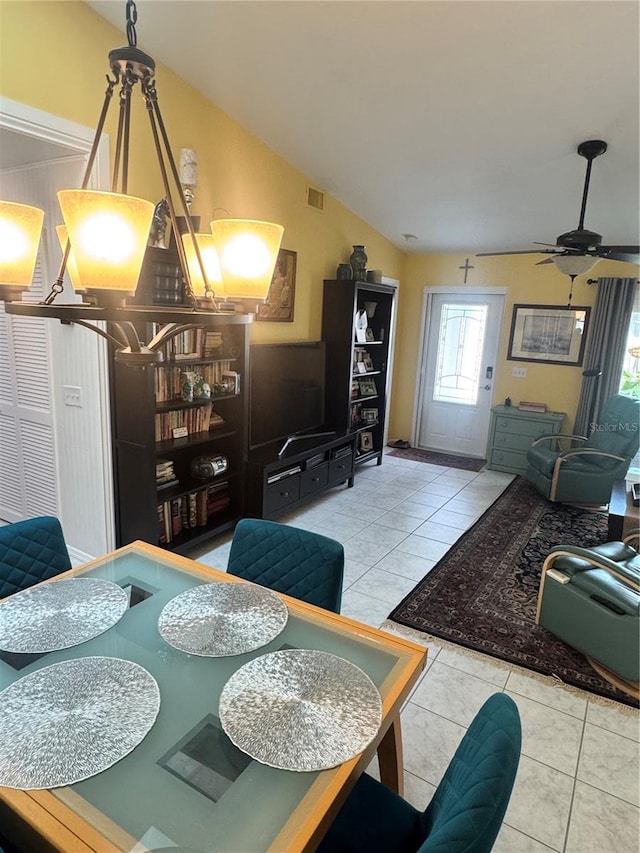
(63,463)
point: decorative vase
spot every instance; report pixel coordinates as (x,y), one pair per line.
(344,272)
(358,260)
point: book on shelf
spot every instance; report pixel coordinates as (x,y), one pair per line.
(176,520)
(528,406)
(193,510)
(190,511)
(162,533)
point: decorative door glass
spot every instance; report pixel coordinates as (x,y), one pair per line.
(460,343)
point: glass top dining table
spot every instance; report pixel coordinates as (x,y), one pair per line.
(186,787)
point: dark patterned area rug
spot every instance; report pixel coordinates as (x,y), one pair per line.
(482,594)
(448,460)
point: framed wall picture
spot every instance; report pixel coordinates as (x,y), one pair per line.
(555,334)
(278,306)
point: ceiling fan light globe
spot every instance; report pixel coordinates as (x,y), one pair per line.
(574,265)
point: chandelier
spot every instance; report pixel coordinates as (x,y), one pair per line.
(105,236)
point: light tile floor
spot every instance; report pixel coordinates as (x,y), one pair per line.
(578,783)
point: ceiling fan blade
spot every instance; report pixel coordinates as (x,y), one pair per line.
(560,248)
(630,254)
(523,252)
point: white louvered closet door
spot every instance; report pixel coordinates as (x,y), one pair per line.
(27,454)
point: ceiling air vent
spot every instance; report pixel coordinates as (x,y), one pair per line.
(315,199)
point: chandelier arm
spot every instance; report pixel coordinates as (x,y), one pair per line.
(159,122)
(125,101)
(58,285)
(129,334)
(118,342)
(150,96)
(125,146)
(171,330)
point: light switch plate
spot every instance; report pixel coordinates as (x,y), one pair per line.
(519,372)
(73,396)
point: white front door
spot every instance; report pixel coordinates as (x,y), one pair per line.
(462,333)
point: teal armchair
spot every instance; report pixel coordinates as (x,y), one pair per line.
(590,598)
(465,813)
(586,471)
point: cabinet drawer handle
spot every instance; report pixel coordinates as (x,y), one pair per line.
(341,467)
(284,494)
(315,479)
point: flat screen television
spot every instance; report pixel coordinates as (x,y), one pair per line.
(286,390)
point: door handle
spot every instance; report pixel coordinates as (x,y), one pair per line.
(487,387)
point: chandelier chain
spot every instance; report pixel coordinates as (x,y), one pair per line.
(132,19)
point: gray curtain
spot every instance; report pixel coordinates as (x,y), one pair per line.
(605,350)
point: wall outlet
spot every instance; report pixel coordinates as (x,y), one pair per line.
(519,372)
(73,396)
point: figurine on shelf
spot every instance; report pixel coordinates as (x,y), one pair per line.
(189,380)
(201,389)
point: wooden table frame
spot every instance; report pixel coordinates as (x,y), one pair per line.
(62,829)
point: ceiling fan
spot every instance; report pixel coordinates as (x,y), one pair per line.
(577,251)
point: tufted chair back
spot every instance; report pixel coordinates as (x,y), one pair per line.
(466,811)
(31,551)
(286,559)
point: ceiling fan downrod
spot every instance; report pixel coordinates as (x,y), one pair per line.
(590,149)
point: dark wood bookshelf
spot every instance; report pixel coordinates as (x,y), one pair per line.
(341,301)
(139,502)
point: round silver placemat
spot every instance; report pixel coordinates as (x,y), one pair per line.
(71,720)
(220,619)
(60,614)
(300,709)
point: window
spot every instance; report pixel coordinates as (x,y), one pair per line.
(630,376)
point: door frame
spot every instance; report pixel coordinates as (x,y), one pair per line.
(427,311)
(38,124)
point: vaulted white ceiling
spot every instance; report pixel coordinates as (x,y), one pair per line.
(454,121)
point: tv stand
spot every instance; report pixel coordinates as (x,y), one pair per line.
(300,437)
(276,485)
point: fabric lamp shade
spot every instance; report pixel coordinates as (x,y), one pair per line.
(247,251)
(20,227)
(210,262)
(109,234)
(72,266)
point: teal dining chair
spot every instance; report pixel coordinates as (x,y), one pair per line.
(466,811)
(31,551)
(287,559)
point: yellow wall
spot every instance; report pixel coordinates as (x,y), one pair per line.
(556,385)
(53,56)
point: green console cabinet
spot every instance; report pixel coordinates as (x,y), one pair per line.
(513,432)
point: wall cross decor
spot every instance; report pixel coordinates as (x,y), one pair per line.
(466,267)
